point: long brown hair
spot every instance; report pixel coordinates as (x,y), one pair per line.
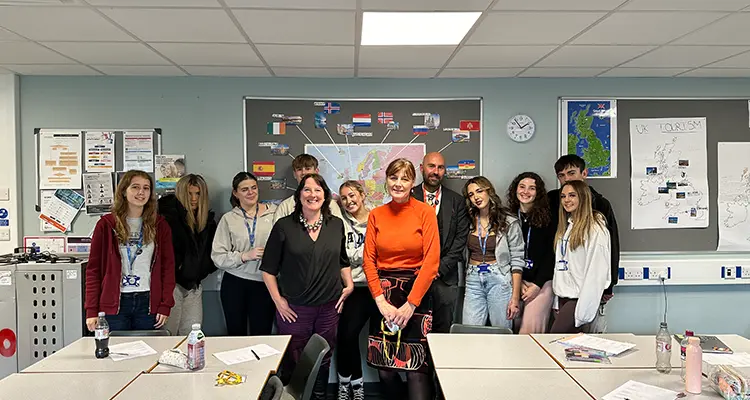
(584,217)
(120,210)
(498,213)
(539,215)
(196,220)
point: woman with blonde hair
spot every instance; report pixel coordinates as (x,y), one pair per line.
(582,259)
(193,228)
(130,274)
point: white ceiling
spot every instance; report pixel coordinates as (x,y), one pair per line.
(319,38)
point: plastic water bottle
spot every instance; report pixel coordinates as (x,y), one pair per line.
(683,347)
(196,348)
(693,365)
(101,336)
(663,349)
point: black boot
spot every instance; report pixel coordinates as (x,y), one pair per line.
(321,384)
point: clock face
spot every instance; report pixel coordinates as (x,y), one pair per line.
(521,128)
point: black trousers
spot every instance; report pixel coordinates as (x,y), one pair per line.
(565,321)
(358,308)
(246,304)
(444,299)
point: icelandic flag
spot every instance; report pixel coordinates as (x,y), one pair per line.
(361,120)
(385,117)
(332,108)
(420,129)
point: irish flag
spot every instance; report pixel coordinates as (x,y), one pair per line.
(276,128)
(264,168)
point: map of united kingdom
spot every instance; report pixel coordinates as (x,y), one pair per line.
(590,134)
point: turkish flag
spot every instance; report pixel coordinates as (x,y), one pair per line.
(465,125)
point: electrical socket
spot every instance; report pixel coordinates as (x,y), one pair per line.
(633,273)
(744,272)
(728,272)
(4,235)
(656,273)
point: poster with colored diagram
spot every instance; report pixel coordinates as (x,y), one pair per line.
(589,130)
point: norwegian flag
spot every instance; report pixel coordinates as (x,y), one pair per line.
(385,117)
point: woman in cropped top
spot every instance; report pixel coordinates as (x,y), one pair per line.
(495,244)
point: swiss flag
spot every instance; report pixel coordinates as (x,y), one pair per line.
(472,125)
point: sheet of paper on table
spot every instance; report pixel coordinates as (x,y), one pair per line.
(611,347)
(735,360)
(245,354)
(632,390)
(126,351)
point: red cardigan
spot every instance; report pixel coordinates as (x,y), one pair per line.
(104,270)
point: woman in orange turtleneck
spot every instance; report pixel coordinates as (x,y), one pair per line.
(401,259)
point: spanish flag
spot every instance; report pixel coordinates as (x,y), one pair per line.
(264,168)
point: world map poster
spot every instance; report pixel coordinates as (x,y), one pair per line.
(589,130)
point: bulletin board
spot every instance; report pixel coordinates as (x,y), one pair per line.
(357,138)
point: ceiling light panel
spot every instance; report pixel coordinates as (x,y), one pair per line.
(416,28)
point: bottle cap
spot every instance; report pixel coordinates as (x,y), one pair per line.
(694,340)
(196,327)
(689,333)
(101,313)
(663,325)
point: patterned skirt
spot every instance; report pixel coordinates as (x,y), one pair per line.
(407,349)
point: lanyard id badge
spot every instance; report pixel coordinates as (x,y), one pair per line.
(562,264)
(483,267)
(251,233)
(528,263)
(131,279)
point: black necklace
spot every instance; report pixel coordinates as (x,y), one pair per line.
(311,227)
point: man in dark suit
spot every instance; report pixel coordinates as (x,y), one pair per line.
(453,223)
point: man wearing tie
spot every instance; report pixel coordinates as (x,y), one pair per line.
(453,224)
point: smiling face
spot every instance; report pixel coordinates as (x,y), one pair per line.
(352,200)
(194,193)
(399,186)
(478,196)
(311,196)
(569,198)
(433,169)
(526,191)
(138,192)
(247,193)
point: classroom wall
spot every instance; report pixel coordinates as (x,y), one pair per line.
(9,161)
(202,118)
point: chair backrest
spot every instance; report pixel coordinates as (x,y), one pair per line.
(273,389)
(154,332)
(303,377)
(491,330)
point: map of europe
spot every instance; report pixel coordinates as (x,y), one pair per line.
(365,163)
(590,132)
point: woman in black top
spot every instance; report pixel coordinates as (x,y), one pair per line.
(527,198)
(193,229)
(307,272)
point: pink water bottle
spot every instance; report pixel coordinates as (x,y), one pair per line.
(694,365)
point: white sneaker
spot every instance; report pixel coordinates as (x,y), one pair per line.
(359,392)
(343,393)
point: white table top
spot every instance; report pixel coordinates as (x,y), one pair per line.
(79,356)
(599,382)
(467,384)
(224,343)
(737,343)
(103,385)
(488,352)
(188,386)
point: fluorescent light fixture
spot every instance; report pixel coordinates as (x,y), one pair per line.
(416,28)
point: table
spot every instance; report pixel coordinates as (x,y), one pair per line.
(223,343)
(102,385)
(462,384)
(599,382)
(476,351)
(79,356)
(197,385)
(737,343)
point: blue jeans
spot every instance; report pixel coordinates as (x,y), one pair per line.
(487,293)
(133,313)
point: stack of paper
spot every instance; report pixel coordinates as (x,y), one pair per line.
(126,351)
(611,347)
(735,360)
(245,354)
(633,390)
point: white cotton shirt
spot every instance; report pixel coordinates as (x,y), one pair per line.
(141,262)
(355,245)
(588,272)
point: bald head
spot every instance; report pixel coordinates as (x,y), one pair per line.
(433,170)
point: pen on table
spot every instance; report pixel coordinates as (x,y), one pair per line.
(256,356)
(120,354)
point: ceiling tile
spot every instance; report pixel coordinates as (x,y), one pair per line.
(684,56)
(592,56)
(6,36)
(730,30)
(479,72)
(153,70)
(315,72)
(425,5)
(108,53)
(51,69)
(499,56)
(642,72)
(531,27)
(156,3)
(209,54)
(29,53)
(397,73)
(298,27)
(718,72)
(309,56)
(738,61)
(404,56)
(561,72)
(60,23)
(295,4)
(685,5)
(177,25)
(645,28)
(562,5)
(227,71)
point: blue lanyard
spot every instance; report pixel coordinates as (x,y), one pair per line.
(526,244)
(482,240)
(563,247)
(251,233)
(138,251)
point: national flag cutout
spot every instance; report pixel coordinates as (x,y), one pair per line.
(361,119)
(466,164)
(385,117)
(332,108)
(264,168)
(420,130)
(276,128)
(468,125)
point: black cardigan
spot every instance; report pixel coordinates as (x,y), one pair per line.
(541,252)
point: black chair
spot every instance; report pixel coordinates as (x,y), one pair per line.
(273,389)
(150,332)
(301,384)
(488,330)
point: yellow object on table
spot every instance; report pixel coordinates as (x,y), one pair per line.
(229,378)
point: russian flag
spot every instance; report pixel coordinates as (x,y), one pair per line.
(362,119)
(420,129)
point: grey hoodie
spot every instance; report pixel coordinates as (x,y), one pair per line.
(355,246)
(232,239)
